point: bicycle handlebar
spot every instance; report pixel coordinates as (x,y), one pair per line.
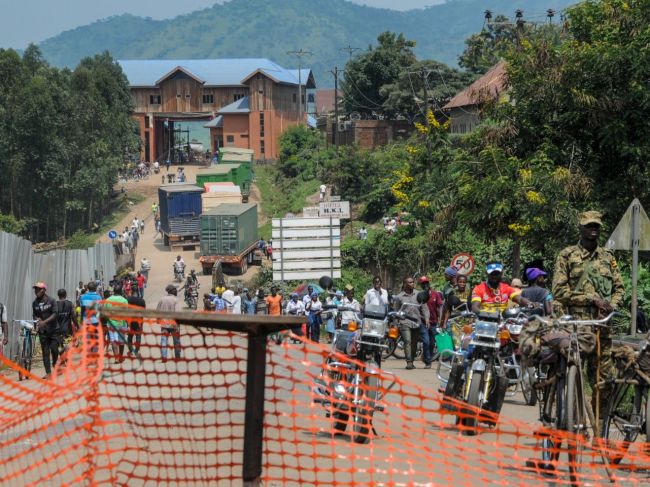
(600,322)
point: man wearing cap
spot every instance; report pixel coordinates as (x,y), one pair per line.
(428,330)
(449,299)
(536,291)
(44,311)
(588,285)
(492,294)
(170,327)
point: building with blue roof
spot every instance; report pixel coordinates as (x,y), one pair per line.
(245,103)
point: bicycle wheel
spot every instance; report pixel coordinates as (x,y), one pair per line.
(575,422)
(391,343)
(527,382)
(399,348)
(622,421)
(26,352)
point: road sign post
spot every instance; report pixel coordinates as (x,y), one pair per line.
(632,233)
(463,263)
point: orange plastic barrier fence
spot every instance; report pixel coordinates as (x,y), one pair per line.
(132,418)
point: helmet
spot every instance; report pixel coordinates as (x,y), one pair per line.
(423,279)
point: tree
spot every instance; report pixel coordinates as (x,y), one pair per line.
(585,99)
(486,48)
(366,73)
(422,86)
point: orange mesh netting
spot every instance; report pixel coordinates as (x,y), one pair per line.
(142,421)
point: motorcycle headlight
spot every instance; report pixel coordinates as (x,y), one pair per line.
(373,327)
(486,329)
(339,389)
(514,328)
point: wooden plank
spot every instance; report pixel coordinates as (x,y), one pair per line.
(306,254)
(305,222)
(306,264)
(312,243)
(299,275)
(306,233)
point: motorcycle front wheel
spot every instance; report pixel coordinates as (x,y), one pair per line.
(362,419)
(470,416)
(398,352)
(527,381)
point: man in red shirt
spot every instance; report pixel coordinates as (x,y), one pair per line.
(492,294)
(141,280)
(428,330)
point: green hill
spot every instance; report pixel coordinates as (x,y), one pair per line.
(270,28)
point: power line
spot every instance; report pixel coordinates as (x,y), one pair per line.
(349,49)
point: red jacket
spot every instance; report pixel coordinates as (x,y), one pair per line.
(434,304)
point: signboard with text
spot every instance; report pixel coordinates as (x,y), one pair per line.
(335,209)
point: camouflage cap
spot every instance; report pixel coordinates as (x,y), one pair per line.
(591,217)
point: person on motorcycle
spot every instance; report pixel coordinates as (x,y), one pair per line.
(536,291)
(449,298)
(492,294)
(428,330)
(349,302)
(376,295)
(179,266)
(191,281)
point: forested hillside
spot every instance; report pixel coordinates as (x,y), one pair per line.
(270,28)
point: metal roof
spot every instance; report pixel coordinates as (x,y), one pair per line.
(217,169)
(215,72)
(215,122)
(240,106)
(490,85)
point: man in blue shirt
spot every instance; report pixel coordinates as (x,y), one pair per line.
(89,315)
(249,303)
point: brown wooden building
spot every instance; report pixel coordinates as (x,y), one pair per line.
(246,103)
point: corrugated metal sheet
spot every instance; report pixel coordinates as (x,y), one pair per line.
(21,268)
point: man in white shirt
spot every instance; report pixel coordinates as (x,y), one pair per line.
(228,296)
(295,307)
(236,303)
(349,302)
(323,190)
(307,297)
(376,295)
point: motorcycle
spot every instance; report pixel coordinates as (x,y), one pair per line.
(192,296)
(350,385)
(519,374)
(477,376)
(179,273)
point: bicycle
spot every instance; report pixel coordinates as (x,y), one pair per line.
(627,415)
(559,384)
(26,346)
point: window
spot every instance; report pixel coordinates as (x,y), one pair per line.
(154,100)
(261,124)
(261,92)
(237,96)
(302,97)
(230,139)
(188,96)
(208,99)
(294,97)
(261,147)
(310,98)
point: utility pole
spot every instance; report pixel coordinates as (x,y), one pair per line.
(300,53)
(349,49)
(336,108)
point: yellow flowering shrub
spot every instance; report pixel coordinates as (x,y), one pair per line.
(519,229)
(535,197)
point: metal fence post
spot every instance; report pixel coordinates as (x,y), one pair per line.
(254,414)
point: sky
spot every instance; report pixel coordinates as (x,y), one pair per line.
(25,21)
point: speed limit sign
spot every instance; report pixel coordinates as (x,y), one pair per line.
(463,263)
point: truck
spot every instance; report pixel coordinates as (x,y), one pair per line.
(180,214)
(229,236)
(239,174)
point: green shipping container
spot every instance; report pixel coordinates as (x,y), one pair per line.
(238,174)
(229,229)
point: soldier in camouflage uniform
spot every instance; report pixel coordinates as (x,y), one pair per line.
(588,285)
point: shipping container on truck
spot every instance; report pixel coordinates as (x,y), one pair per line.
(180,214)
(229,235)
(215,195)
(239,174)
